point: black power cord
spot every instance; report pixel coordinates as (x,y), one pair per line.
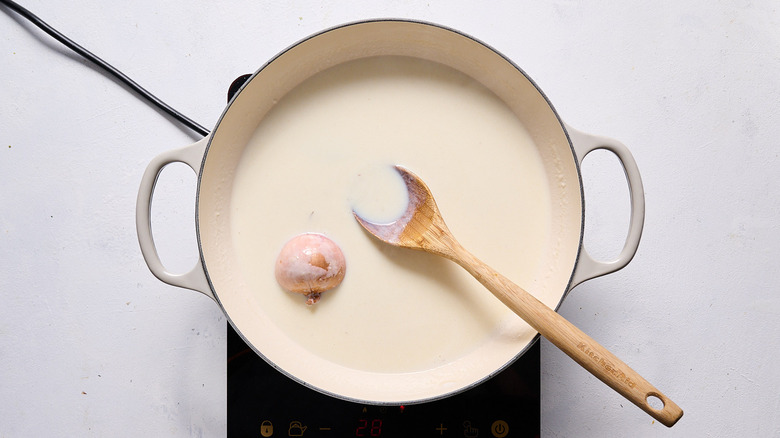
(105,66)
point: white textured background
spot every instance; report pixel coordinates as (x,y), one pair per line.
(92,345)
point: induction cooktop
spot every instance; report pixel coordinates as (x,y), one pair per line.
(263,402)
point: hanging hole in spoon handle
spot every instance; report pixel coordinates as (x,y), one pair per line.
(655,402)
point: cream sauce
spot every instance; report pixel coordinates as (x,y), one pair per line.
(378,194)
(397,310)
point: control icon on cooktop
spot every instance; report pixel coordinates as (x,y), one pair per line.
(499,429)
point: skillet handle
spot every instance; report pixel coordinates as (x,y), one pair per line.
(195,279)
(587,267)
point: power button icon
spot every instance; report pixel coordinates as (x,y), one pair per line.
(499,429)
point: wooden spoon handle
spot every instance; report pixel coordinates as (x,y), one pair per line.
(582,348)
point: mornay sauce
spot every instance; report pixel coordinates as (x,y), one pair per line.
(323,148)
(379,194)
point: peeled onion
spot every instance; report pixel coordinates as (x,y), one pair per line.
(310,264)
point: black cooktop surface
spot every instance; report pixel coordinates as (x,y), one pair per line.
(263,402)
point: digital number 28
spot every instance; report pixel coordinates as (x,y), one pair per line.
(366,428)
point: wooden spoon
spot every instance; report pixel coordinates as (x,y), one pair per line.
(421,227)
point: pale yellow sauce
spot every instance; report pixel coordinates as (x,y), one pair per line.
(378,194)
(397,310)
